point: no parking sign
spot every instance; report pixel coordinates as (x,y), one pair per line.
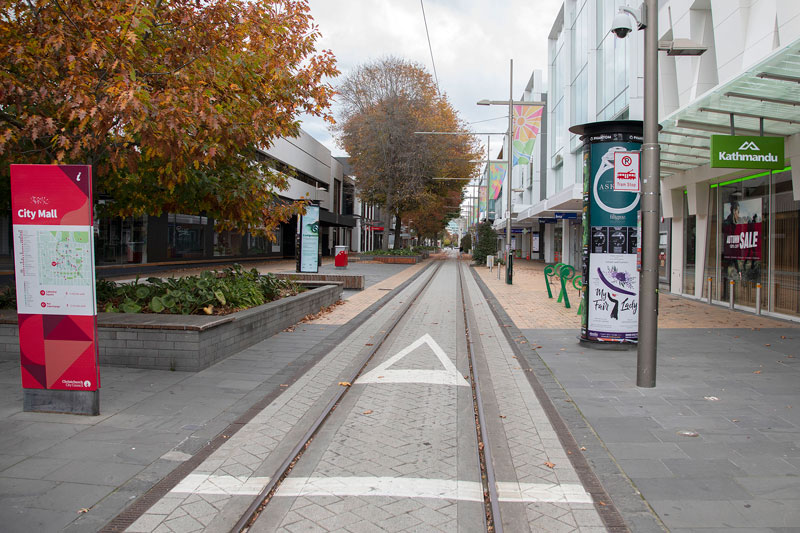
(626,171)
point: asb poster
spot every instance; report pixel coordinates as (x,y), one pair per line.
(309,240)
(55,279)
(613,279)
(741,239)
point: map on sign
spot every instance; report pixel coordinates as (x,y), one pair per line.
(64,258)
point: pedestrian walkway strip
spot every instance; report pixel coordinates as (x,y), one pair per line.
(217,484)
(448,376)
(393,487)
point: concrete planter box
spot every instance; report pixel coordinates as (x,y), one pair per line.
(348,281)
(189,343)
(393,259)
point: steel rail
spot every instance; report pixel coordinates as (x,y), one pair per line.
(486,461)
(263,498)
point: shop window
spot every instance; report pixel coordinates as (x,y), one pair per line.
(712,249)
(689,247)
(121,240)
(186,236)
(743,251)
(228,243)
(785,288)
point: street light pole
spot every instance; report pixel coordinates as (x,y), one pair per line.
(651,156)
(510,172)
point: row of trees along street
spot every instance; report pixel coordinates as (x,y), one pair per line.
(383,103)
(169,100)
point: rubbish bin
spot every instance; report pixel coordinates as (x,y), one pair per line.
(340,259)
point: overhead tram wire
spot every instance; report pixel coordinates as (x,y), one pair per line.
(428,35)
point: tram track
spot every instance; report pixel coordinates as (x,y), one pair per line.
(420,403)
(262,500)
(491,498)
(491,501)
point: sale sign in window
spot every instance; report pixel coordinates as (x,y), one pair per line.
(55,280)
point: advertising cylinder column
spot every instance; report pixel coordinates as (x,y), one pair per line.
(611,232)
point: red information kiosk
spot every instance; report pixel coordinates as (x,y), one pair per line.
(55,281)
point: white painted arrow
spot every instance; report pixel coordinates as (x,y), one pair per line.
(448,376)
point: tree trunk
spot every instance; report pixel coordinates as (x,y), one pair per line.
(398,243)
(387,224)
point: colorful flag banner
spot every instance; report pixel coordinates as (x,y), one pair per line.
(497,173)
(527,121)
(482,204)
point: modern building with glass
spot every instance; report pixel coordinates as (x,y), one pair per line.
(747,82)
(192,237)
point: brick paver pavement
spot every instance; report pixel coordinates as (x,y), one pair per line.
(352,306)
(527,304)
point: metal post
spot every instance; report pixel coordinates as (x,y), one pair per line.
(758,298)
(509,270)
(709,290)
(651,156)
(730,294)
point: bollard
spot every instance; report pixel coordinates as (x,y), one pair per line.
(758,298)
(730,294)
(709,290)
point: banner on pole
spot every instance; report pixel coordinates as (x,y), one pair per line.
(527,121)
(497,173)
(55,279)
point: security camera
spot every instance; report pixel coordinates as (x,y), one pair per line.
(621,26)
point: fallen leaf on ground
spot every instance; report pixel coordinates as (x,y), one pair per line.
(583,448)
(284,385)
(367,412)
(369,344)
(84,510)
(548,464)
(602,503)
(345,383)
(757,372)
(502,416)
(767,345)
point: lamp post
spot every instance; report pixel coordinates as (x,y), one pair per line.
(510,103)
(647,17)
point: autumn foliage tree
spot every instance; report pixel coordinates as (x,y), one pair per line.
(383,103)
(167,99)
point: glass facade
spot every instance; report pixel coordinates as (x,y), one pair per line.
(557,101)
(689,247)
(612,64)
(753,238)
(186,236)
(120,240)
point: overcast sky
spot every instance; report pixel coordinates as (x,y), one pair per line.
(472,42)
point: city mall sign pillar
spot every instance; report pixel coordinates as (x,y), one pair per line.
(611,233)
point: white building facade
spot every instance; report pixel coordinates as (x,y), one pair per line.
(746,83)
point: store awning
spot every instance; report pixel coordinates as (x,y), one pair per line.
(326,218)
(769,91)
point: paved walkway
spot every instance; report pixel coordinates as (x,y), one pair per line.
(715,446)
(727,376)
(527,303)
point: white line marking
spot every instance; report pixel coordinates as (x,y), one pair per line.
(211,484)
(510,491)
(444,489)
(397,487)
(448,376)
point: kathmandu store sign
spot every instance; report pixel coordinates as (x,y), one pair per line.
(737,151)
